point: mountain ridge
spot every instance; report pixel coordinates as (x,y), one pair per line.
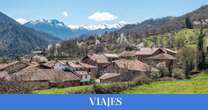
(62,31)
(165,24)
(16,39)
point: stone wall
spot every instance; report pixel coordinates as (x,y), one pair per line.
(25,87)
(21,87)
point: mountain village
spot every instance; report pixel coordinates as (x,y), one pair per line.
(172,49)
(42,73)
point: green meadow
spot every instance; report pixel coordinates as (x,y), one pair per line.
(60,90)
(196,85)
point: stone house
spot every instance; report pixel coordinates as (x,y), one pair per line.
(128,55)
(164,57)
(39,59)
(98,60)
(39,52)
(57,65)
(129,69)
(83,75)
(79,66)
(144,53)
(39,78)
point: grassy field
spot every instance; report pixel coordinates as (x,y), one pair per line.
(197,85)
(59,90)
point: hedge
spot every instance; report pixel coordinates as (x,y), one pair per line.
(109,88)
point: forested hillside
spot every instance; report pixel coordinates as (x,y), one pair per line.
(171,32)
(16,39)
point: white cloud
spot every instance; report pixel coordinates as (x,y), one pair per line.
(21,20)
(65,14)
(102,16)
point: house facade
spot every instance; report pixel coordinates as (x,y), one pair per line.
(84,76)
(80,66)
(128,69)
(98,60)
(144,53)
(33,76)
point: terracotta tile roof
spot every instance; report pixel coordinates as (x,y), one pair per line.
(80,73)
(127,54)
(40,59)
(62,61)
(87,66)
(74,64)
(4,75)
(36,74)
(15,67)
(49,64)
(109,76)
(163,56)
(134,65)
(99,58)
(111,55)
(169,50)
(151,51)
(80,65)
(4,65)
(147,51)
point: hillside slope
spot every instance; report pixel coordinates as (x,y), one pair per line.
(16,39)
(166,24)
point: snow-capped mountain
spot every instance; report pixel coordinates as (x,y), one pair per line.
(99,26)
(62,31)
(51,22)
(53,27)
(19,40)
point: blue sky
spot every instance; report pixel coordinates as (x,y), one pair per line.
(85,12)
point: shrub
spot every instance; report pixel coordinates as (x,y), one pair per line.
(155,75)
(163,69)
(141,80)
(89,90)
(21,87)
(111,87)
(179,73)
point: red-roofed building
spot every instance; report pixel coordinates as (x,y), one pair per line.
(98,60)
(79,66)
(144,53)
(129,69)
(163,57)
